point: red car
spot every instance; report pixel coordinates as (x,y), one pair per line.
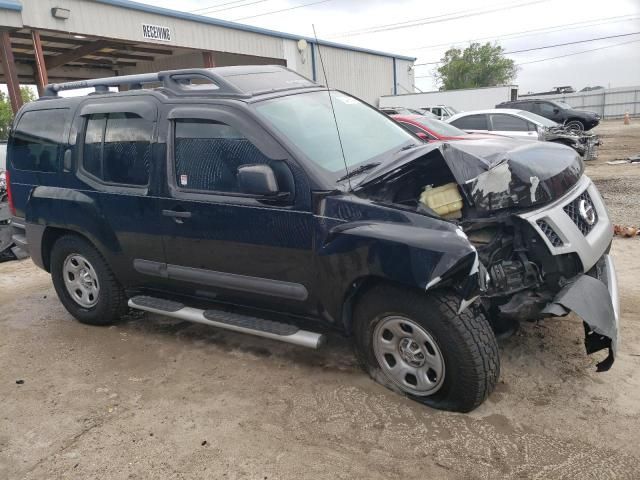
(431,129)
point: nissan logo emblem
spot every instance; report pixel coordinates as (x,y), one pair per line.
(587,212)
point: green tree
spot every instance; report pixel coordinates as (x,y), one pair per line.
(6,114)
(475,66)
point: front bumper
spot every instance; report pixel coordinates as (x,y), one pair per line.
(595,298)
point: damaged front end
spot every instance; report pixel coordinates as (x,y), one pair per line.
(538,224)
(585,143)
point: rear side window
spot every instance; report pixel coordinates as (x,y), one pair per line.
(472,122)
(208,154)
(117,148)
(37,140)
(508,123)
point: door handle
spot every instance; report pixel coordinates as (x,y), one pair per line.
(176,214)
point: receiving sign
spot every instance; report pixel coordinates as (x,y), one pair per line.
(156,32)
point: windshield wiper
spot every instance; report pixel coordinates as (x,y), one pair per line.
(359,170)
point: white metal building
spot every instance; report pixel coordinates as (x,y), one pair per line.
(60,40)
(464,99)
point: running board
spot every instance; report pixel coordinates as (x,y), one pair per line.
(231,321)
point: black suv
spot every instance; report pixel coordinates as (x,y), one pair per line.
(252,199)
(560,112)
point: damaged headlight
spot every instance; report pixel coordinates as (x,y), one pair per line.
(541,133)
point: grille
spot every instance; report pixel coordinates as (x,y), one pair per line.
(573,210)
(550,233)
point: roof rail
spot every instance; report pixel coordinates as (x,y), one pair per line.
(176,81)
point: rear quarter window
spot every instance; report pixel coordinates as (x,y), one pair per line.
(37,139)
(471,122)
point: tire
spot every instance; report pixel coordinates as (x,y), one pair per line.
(109,302)
(465,342)
(575,126)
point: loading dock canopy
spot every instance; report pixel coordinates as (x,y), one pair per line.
(68,40)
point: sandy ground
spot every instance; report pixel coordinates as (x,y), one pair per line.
(619,184)
(156,398)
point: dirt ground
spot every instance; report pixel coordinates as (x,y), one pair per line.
(157,398)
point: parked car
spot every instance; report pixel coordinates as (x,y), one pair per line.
(559,112)
(214,202)
(406,111)
(8,249)
(432,129)
(523,124)
(441,112)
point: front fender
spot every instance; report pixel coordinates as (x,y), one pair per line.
(405,254)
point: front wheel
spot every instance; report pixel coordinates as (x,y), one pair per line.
(575,126)
(418,345)
(84,282)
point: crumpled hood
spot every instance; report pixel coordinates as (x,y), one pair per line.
(499,173)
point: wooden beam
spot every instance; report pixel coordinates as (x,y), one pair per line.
(76,53)
(42,79)
(10,73)
(115,43)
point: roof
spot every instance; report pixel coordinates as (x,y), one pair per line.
(224,82)
(11,5)
(236,26)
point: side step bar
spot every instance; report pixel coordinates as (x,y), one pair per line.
(231,321)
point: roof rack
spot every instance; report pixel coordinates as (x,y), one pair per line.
(176,81)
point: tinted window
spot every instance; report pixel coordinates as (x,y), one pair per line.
(117,148)
(471,122)
(546,109)
(37,140)
(508,123)
(208,154)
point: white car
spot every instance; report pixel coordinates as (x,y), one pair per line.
(526,125)
(503,121)
(443,112)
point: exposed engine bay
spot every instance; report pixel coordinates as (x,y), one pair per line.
(526,263)
(585,143)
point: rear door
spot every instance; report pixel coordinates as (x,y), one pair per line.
(118,163)
(512,126)
(221,243)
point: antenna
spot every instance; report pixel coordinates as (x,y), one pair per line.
(333,110)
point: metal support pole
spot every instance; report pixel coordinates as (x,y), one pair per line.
(208,60)
(9,70)
(42,78)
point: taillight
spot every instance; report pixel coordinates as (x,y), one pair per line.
(12,207)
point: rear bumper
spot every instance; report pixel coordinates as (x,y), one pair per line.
(595,298)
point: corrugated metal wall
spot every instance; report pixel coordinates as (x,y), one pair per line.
(364,75)
(608,102)
(98,19)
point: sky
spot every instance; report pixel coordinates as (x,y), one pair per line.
(426,29)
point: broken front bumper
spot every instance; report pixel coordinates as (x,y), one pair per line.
(594,297)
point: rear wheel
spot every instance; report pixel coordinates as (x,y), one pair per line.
(418,345)
(84,282)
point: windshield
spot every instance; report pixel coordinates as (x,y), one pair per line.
(564,106)
(307,121)
(537,119)
(440,128)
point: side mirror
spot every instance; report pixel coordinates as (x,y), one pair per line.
(423,136)
(257,180)
(556,110)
